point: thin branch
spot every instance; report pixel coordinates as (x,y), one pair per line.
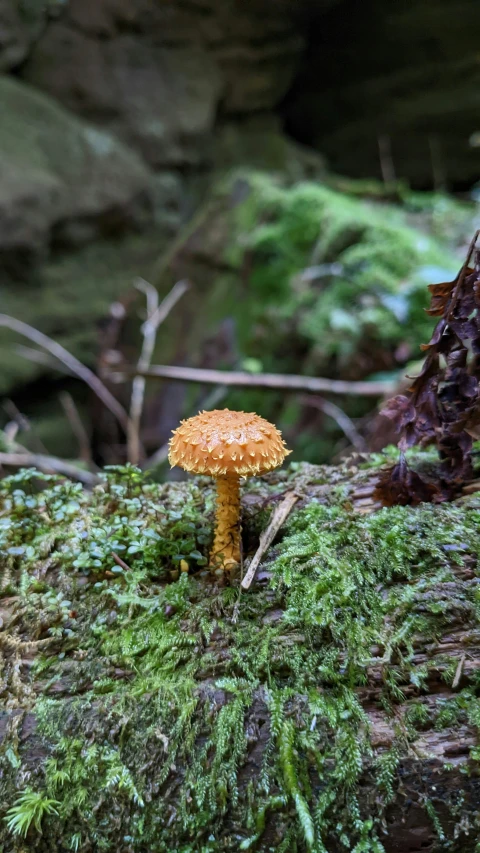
(24,425)
(337,414)
(203,214)
(280,381)
(438,165)
(71,362)
(10,443)
(123,565)
(166,305)
(78,428)
(156,314)
(278,518)
(16,415)
(47,464)
(210,402)
(387,166)
(10,431)
(138,386)
(458,672)
(39,357)
(158,457)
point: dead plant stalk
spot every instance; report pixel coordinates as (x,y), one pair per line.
(156,314)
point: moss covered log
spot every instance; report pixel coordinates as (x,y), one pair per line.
(334,707)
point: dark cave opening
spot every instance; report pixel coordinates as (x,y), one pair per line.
(389,88)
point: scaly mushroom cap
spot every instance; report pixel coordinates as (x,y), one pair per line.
(222,442)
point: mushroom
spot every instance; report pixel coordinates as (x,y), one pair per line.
(227,445)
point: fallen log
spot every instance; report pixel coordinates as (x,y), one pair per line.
(331,707)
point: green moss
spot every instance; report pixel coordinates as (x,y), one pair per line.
(381,265)
(327,282)
(29,810)
(154,689)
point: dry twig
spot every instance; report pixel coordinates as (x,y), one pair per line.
(166,305)
(48,464)
(458,673)
(211,402)
(282,381)
(118,560)
(278,518)
(23,425)
(156,314)
(138,386)
(72,363)
(44,358)
(387,166)
(337,414)
(78,428)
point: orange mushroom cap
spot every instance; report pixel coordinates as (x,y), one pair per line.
(222,442)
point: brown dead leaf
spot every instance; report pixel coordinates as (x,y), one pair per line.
(443,405)
(400,486)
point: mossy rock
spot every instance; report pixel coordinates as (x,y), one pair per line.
(334,706)
(340,268)
(325,278)
(62,181)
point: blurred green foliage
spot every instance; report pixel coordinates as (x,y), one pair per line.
(332,282)
(325,279)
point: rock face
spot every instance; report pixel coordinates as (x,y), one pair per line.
(345,76)
(400,76)
(20,24)
(159,75)
(164,76)
(61,180)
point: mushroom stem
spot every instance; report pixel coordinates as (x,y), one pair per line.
(226,545)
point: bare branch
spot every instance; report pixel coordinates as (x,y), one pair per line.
(48,464)
(210,402)
(166,305)
(10,431)
(138,386)
(158,457)
(280,381)
(16,415)
(78,428)
(386,159)
(337,414)
(73,364)
(458,672)
(266,538)
(24,425)
(156,314)
(43,358)
(215,397)
(123,565)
